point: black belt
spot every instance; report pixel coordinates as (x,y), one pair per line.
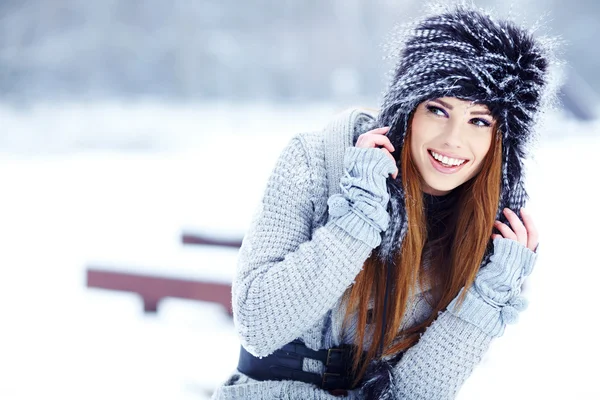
(286,364)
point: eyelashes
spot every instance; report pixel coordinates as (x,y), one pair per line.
(437,111)
(440,112)
(480,122)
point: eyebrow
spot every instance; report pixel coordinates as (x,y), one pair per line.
(480,113)
(448,106)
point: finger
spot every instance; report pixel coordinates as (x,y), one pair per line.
(375,141)
(495,236)
(517,226)
(379,131)
(505,230)
(372,141)
(387,153)
(532,233)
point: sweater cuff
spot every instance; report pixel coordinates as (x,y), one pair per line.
(354,220)
(368,162)
(474,310)
(508,252)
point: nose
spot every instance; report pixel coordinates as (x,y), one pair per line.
(452,135)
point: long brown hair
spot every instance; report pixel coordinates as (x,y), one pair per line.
(454,259)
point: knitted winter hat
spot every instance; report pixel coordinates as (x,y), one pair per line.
(463,52)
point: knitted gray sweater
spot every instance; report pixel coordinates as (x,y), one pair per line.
(305,247)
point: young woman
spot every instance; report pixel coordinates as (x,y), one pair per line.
(389,250)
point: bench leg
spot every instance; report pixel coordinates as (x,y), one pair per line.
(150,304)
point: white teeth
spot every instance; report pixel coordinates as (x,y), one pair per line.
(447,160)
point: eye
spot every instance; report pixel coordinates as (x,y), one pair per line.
(437,111)
(480,122)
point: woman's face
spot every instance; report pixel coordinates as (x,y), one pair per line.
(449,139)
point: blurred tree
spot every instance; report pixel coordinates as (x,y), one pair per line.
(207,49)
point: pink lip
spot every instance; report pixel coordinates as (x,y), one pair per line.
(445,170)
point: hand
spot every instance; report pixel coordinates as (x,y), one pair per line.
(526,234)
(376,138)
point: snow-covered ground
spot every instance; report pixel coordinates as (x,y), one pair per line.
(115,184)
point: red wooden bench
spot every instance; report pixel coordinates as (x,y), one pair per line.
(154,288)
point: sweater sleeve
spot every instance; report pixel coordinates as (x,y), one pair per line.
(445,355)
(289,274)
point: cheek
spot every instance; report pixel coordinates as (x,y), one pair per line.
(481,145)
(419,133)
(413,148)
(480,149)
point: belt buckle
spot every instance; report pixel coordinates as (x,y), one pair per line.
(339,350)
(335,376)
(324,381)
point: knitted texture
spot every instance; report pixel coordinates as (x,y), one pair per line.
(494,299)
(300,255)
(364,194)
(281,258)
(436,367)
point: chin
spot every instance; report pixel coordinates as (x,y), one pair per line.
(440,188)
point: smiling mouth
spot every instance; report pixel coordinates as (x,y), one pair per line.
(445,161)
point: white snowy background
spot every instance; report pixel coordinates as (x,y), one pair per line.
(124,124)
(70,200)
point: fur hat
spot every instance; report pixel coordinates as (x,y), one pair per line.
(463,52)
